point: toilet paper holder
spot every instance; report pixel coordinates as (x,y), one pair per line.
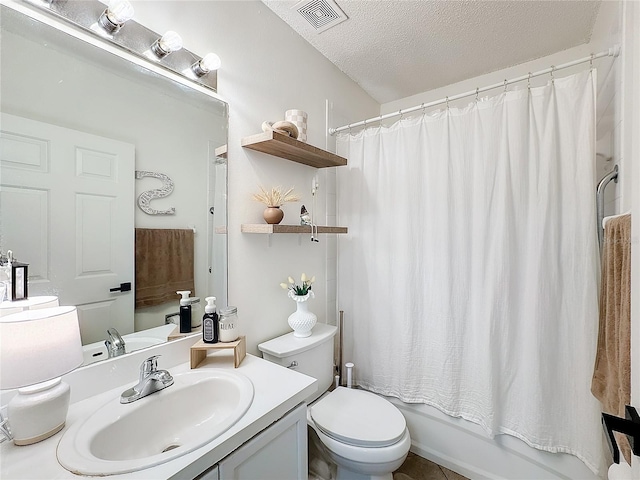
(630,426)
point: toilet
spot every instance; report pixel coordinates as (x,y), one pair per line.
(364,434)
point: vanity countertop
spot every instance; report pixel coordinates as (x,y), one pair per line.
(277,390)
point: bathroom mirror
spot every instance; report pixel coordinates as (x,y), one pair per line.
(77,122)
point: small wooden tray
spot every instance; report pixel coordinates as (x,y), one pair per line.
(199,350)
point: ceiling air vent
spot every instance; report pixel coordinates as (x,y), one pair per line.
(321,14)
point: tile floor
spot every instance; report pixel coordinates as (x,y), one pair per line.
(417,468)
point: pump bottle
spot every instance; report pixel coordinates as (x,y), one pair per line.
(185,311)
(210,322)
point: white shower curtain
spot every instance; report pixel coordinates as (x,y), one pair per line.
(470,269)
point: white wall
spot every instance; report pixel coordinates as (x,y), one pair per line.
(267,68)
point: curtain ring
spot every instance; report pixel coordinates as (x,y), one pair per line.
(591,62)
(400,113)
(529,81)
(553,80)
(446,99)
(505,85)
(477,92)
(423,109)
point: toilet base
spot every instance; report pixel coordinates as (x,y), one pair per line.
(323,467)
(345,474)
(348,469)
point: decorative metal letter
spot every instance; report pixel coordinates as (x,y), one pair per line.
(147,196)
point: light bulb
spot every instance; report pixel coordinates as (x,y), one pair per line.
(170,42)
(117,13)
(210,62)
(120,11)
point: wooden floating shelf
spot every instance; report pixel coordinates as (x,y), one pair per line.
(221,151)
(283,146)
(268,228)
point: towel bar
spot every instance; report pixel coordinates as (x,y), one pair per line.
(602,184)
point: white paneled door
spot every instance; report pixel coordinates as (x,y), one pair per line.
(66,209)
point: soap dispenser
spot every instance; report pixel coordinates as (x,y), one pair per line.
(185,311)
(210,322)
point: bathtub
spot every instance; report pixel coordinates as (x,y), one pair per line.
(464,447)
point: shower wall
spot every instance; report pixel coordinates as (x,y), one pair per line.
(460,445)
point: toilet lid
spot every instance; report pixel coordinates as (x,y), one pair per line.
(359,418)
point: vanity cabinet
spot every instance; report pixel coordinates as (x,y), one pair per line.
(277,453)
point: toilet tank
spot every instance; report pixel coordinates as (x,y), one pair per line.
(312,355)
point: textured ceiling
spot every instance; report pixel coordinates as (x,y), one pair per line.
(394,49)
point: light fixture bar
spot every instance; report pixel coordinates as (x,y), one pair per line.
(133,38)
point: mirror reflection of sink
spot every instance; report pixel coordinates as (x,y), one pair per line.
(120,438)
(97,351)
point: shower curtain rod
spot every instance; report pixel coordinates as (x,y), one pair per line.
(611,52)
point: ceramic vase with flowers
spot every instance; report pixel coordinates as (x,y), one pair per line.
(302,320)
(274,199)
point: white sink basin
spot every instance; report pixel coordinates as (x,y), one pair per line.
(120,438)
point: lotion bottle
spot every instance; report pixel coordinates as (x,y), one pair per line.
(185,311)
(210,322)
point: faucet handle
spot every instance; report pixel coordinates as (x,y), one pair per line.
(150,365)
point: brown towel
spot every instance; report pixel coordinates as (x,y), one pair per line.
(611,382)
(164,265)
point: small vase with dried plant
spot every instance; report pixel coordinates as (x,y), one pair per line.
(274,199)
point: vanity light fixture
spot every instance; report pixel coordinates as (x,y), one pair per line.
(208,63)
(37,347)
(104,19)
(116,15)
(168,43)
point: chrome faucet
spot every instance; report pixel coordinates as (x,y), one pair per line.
(114,343)
(151,380)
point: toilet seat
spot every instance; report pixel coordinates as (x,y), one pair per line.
(358,418)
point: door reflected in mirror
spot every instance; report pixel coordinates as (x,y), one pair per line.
(73,133)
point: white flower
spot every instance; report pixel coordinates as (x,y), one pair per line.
(302,289)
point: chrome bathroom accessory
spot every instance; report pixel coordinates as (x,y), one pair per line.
(602,185)
(151,380)
(114,343)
